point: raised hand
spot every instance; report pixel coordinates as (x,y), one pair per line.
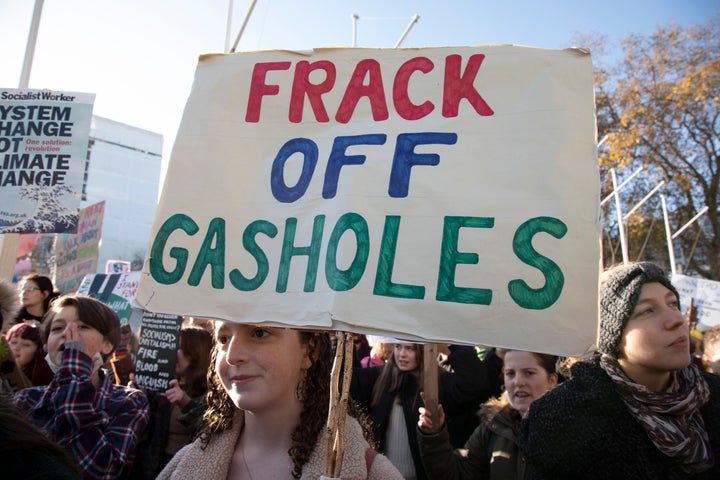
(176,394)
(426,423)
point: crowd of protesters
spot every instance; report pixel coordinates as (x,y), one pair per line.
(252,401)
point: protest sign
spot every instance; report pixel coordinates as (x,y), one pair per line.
(76,255)
(157,351)
(117,266)
(43,149)
(118,292)
(439,194)
(705,295)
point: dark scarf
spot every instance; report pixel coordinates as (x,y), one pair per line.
(672,418)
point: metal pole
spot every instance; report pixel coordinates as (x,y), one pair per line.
(684,227)
(627,180)
(413,21)
(652,192)
(9,242)
(30,47)
(354,29)
(244,24)
(621,225)
(228,26)
(692,251)
(668,234)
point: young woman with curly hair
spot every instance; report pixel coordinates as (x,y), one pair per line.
(268,398)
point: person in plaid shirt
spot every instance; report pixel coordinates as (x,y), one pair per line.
(98,422)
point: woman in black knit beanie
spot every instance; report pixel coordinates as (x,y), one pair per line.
(639,410)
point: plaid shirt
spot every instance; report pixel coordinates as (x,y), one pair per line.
(100,427)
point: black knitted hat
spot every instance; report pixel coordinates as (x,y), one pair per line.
(618,296)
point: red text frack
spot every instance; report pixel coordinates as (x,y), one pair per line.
(366,81)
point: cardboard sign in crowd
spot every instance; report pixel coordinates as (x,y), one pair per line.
(157,351)
(705,295)
(438,194)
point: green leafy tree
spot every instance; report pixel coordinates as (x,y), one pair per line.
(659,106)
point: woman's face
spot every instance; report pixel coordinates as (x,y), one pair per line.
(66,327)
(656,340)
(22,349)
(406,356)
(525,379)
(31,294)
(260,367)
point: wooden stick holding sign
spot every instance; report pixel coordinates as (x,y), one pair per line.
(343,405)
(430,378)
(334,399)
(339,395)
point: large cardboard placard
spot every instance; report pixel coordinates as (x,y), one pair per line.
(440,194)
(43,149)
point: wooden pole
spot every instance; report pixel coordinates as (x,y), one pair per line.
(430,379)
(342,406)
(331,425)
(334,438)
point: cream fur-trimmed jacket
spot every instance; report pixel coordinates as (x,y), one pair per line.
(213,463)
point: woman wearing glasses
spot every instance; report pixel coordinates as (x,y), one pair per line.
(36,293)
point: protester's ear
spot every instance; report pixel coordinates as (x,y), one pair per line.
(106,348)
(311,349)
(306,362)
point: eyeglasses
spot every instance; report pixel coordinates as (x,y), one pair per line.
(29,289)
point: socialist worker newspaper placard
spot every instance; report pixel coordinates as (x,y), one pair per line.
(440,194)
(43,148)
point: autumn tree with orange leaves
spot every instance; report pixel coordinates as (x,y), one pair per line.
(660,109)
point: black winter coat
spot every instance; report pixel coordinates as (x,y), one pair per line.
(583,430)
(491,452)
(459,391)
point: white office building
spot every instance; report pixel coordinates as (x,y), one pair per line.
(123,169)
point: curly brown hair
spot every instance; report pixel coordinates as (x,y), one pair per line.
(315,398)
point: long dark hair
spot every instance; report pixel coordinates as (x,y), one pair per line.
(197,345)
(45,285)
(391,376)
